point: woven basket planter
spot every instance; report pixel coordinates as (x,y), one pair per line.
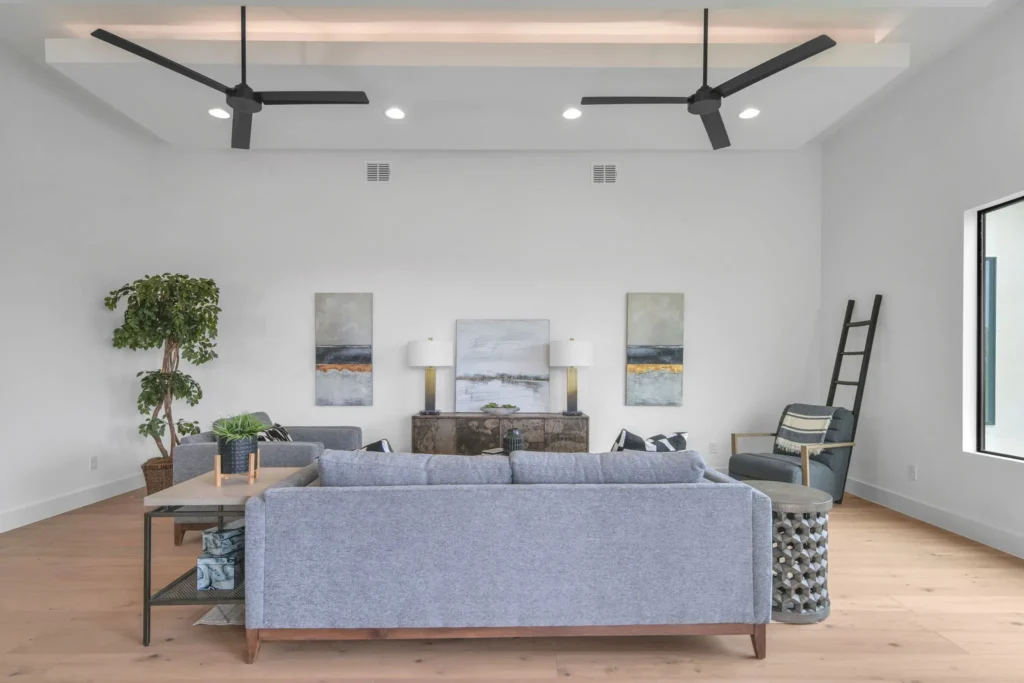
(159,474)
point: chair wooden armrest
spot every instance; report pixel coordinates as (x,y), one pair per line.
(741,435)
(805,455)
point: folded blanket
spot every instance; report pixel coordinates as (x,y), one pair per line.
(803,425)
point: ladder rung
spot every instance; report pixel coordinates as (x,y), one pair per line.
(859,323)
(852,384)
(853,353)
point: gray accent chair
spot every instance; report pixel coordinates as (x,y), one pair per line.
(823,469)
(633,551)
(194,456)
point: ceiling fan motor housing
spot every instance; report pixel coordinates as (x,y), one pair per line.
(243,99)
(704,101)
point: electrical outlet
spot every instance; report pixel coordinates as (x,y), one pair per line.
(912,473)
(94,462)
(713,447)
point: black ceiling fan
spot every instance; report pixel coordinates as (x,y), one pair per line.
(707,101)
(242,99)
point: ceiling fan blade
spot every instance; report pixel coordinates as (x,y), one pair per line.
(775,65)
(139,51)
(313,97)
(241,130)
(635,100)
(715,127)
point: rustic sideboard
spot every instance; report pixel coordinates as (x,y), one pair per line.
(473,433)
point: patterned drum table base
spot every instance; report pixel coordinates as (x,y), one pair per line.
(799,551)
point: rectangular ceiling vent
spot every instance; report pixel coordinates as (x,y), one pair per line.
(378,171)
(603,174)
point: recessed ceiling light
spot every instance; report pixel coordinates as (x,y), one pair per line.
(394,113)
(749,113)
(572,113)
(219,113)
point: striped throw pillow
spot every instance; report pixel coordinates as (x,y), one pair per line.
(803,425)
(275,433)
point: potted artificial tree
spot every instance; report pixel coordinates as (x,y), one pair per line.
(236,438)
(179,314)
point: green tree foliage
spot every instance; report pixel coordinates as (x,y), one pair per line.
(179,314)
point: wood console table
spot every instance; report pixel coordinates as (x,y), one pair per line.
(473,433)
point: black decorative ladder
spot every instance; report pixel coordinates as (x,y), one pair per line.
(865,353)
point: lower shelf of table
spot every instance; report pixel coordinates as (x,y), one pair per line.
(183,591)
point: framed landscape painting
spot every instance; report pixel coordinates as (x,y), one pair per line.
(654,349)
(502,361)
(344,349)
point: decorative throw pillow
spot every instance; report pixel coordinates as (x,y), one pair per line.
(803,425)
(627,441)
(275,433)
(382,446)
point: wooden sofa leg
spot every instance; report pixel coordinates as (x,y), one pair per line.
(760,640)
(179,533)
(252,644)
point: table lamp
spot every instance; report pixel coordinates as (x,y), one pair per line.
(571,354)
(431,355)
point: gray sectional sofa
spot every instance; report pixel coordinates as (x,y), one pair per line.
(439,546)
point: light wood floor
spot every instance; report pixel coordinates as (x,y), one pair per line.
(909,603)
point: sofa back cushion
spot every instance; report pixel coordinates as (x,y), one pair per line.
(350,468)
(625,467)
(201,437)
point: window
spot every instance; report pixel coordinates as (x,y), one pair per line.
(1000,389)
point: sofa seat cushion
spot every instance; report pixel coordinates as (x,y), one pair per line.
(626,467)
(350,468)
(779,467)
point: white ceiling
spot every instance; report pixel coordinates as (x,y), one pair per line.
(492,74)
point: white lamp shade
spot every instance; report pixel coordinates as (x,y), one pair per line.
(430,354)
(572,353)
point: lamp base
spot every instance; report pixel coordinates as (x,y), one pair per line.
(430,412)
(572,413)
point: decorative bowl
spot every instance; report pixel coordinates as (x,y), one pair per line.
(499,411)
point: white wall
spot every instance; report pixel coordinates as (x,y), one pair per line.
(897,182)
(454,236)
(1004,240)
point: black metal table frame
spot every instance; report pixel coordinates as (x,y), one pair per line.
(182,590)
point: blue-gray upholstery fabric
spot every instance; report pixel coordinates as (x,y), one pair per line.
(828,468)
(256,547)
(621,467)
(333,438)
(761,530)
(365,468)
(255,533)
(304,477)
(499,555)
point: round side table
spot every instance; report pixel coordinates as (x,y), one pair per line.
(799,551)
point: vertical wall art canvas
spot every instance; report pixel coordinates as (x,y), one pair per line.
(654,349)
(502,361)
(344,349)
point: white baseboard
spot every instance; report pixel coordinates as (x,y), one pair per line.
(12,519)
(1001,539)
